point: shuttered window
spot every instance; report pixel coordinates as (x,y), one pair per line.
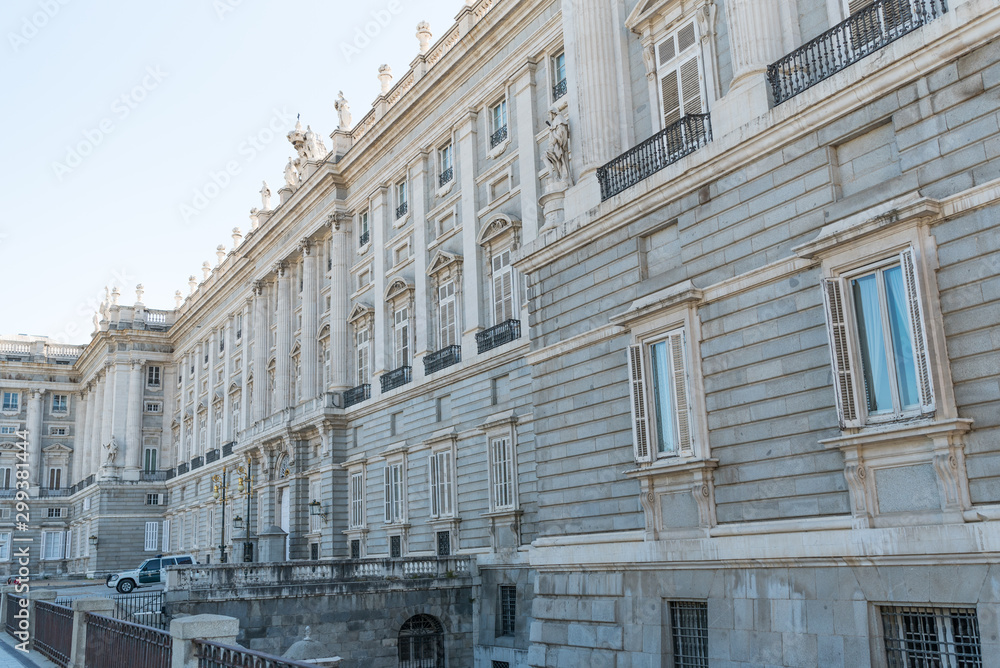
(357,500)
(166,535)
(441,484)
(152,536)
(401,336)
(393,493)
(882,20)
(502,473)
(446,311)
(503,287)
(661,414)
(363,356)
(680,75)
(878,343)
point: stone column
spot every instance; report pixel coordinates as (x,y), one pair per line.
(80,432)
(107,414)
(35,437)
(229,345)
(379,334)
(472,313)
(755,42)
(340,304)
(95,446)
(282,361)
(246,410)
(259,352)
(199,361)
(181,453)
(132,454)
(420,308)
(212,346)
(119,418)
(524,96)
(309,357)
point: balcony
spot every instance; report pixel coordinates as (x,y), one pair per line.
(497,137)
(363,239)
(442,359)
(51,493)
(862,34)
(496,336)
(558,90)
(212,456)
(356,395)
(661,150)
(402,209)
(446,176)
(227,448)
(197,462)
(182,468)
(154,476)
(396,378)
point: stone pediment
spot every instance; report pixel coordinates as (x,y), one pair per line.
(441,260)
(397,287)
(57,448)
(324,331)
(499,225)
(358,312)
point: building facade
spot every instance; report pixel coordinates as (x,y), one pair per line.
(680,317)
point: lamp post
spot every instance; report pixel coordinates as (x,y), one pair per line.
(220,484)
(245,487)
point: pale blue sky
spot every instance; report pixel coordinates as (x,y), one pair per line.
(199,78)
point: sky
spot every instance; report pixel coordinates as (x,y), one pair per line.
(136,135)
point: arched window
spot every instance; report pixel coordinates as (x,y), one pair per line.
(421,643)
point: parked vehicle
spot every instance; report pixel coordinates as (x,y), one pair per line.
(147,574)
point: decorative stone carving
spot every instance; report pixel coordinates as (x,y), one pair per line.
(385,78)
(206,269)
(237,237)
(112,449)
(706,18)
(649,59)
(314,147)
(343,112)
(139,291)
(178,299)
(291,174)
(265,197)
(424,36)
(557,152)
(220,253)
(192,283)
(115,294)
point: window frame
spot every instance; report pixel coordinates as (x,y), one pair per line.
(394,492)
(154,376)
(441,483)
(356,497)
(10,402)
(498,111)
(507,466)
(63,407)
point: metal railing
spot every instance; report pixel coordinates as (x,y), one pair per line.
(144,608)
(862,34)
(363,239)
(498,136)
(661,150)
(356,395)
(197,462)
(12,606)
(112,643)
(216,655)
(182,468)
(51,493)
(53,631)
(559,90)
(496,336)
(154,476)
(212,456)
(396,378)
(8,493)
(227,448)
(446,176)
(402,209)
(442,359)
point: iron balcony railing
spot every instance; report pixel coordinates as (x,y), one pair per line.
(154,476)
(53,631)
(182,468)
(498,136)
(356,395)
(442,359)
(49,493)
(212,456)
(171,473)
(227,448)
(559,90)
(363,239)
(216,655)
(496,336)
(396,378)
(197,462)
(111,642)
(402,209)
(8,493)
(661,150)
(446,176)
(863,33)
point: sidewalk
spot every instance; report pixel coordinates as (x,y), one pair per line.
(14,658)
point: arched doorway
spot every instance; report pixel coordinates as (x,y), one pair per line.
(421,643)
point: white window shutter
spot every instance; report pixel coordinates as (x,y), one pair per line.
(670,97)
(67,544)
(152,536)
(690,86)
(917,331)
(166,535)
(677,352)
(640,421)
(844,381)
(435,489)
(388,493)
(42,550)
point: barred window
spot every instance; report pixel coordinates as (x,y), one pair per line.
(507,615)
(689,633)
(421,643)
(355,549)
(932,637)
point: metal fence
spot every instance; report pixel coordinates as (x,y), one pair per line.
(144,608)
(12,606)
(53,631)
(112,643)
(216,655)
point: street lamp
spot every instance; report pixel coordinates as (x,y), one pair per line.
(92,540)
(219,493)
(316,509)
(245,487)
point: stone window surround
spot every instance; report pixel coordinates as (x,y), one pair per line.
(871,450)
(647,319)
(500,425)
(496,98)
(502,233)
(3,403)
(443,267)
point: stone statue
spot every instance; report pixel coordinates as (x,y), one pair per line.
(557,153)
(265,197)
(139,291)
(343,112)
(112,449)
(97,322)
(291,174)
(315,149)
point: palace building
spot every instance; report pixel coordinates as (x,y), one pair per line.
(678,321)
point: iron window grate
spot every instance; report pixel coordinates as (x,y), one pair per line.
(501,664)
(931,637)
(443,543)
(508,609)
(689,629)
(395,547)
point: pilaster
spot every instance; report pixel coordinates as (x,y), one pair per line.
(309,357)
(282,362)
(472,314)
(340,247)
(35,437)
(133,434)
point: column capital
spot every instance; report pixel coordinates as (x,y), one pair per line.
(137,363)
(281,269)
(305,246)
(338,219)
(37,392)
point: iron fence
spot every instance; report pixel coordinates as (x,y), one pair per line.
(144,608)
(12,606)
(112,643)
(396,378)
(212,456)
(216,655)
(197,462)
(659,151)
(154,476)
(356,395)
(863,33)
(498,335)
(402,209)
(442,359)
(53,632)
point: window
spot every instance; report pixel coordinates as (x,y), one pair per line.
(394,493)
(559,76)
(52,545)
(689,633)
(402,205)
(668,383)
(503,287)
(443,543)
(401,336)
(5,546)
(86,503)
(5,477)
(441,484)
(363,233)
(446,314)
(55,478)
(239,328)
(152,376)
(153,536)
(502,473)
(364,278)
(8,428)
(56,431)
(363,356)
(11,402)
(153,407)
(421,643)
(395,547)
(152,499)
(507,613)
(357,510)
(498,123)
(60,403)
(54,513)
(355,549)
(932,637)
(679,72)
(878,346)
(400,254)
(446,170)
